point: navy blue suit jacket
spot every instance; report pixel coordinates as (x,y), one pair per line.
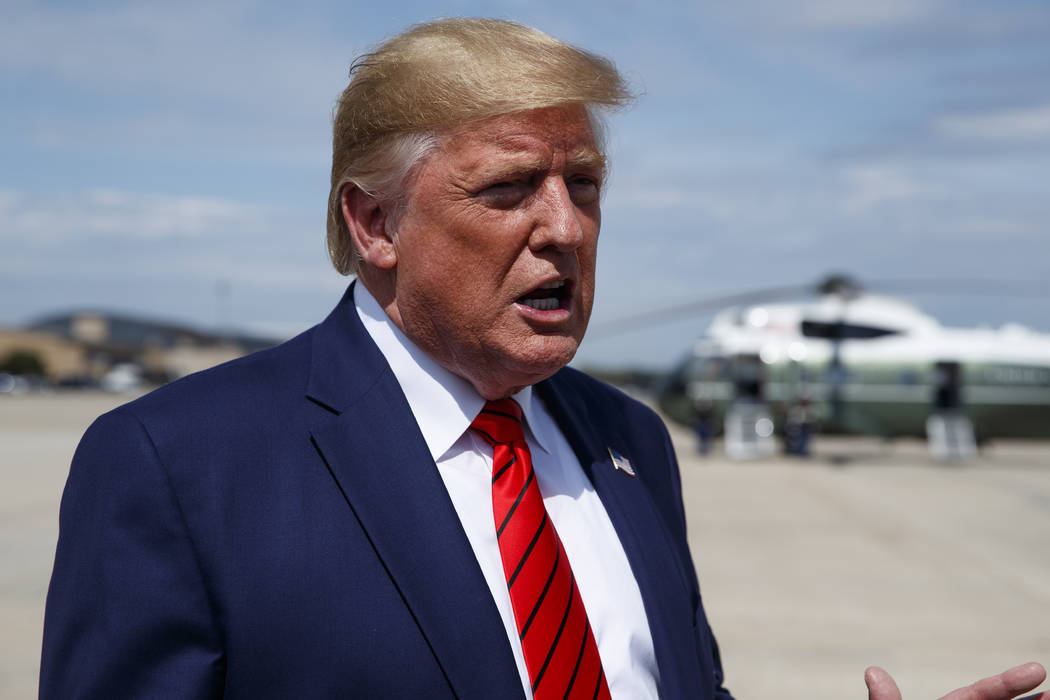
(276,528)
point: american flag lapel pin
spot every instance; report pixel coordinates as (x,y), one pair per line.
(621,462)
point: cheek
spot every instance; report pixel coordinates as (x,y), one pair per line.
(435,262)
(480,247)
(589,256)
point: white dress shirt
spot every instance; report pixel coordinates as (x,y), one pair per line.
(444,405)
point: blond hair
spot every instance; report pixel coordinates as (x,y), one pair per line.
(440,75)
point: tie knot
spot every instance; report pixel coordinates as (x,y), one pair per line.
(500,422)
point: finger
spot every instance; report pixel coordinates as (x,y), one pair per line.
(1045,695)
(1008,684)
(881,685)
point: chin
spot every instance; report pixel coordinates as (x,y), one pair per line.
(515,372)
(548,360)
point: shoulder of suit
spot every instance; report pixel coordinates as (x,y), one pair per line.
(597,393)
(244,383)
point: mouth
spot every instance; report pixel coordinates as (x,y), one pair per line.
(549,296)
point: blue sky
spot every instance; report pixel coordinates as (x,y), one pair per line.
(172,159)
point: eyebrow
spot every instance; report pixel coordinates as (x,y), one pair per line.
(587,158)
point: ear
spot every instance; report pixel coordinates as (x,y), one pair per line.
(366,220)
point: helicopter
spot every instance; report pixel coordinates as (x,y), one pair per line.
(857,362)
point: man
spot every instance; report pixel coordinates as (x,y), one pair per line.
(331,518)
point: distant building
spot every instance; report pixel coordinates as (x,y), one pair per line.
(62,359)
(87,344)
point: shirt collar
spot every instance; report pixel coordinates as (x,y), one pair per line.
(443,404)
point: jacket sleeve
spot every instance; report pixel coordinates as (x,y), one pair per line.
(128,613)
(705,642)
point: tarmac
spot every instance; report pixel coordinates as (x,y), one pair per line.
(811,570)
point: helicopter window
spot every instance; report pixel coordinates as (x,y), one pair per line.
(842,331)
(712,368)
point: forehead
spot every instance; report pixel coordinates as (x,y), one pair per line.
(553,133)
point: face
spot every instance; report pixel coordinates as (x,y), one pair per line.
(496,248)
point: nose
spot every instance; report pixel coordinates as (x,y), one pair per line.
(558,221)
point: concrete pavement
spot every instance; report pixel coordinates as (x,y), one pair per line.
(872,554)
(867,554)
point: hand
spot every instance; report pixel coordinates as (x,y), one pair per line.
(1005,686)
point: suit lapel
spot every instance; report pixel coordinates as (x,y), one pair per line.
(381,463)
(644,536)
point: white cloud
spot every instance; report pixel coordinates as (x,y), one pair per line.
(1022,124)
(189,80)
(867,187)
(215,51)
(997,226)
(262,141)
(113,213)
(273,274)
(9,200)
(861,14)
(776,15)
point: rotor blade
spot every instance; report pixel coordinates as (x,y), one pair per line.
(956,286)
(665,314)
(963,287)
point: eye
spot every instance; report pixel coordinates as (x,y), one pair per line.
(506,194)
(583,189)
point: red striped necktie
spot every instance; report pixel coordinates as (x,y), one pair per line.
(556,639)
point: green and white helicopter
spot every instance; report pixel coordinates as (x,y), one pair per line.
(850,361)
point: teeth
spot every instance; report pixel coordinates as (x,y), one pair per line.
(556,284)
(542,304)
